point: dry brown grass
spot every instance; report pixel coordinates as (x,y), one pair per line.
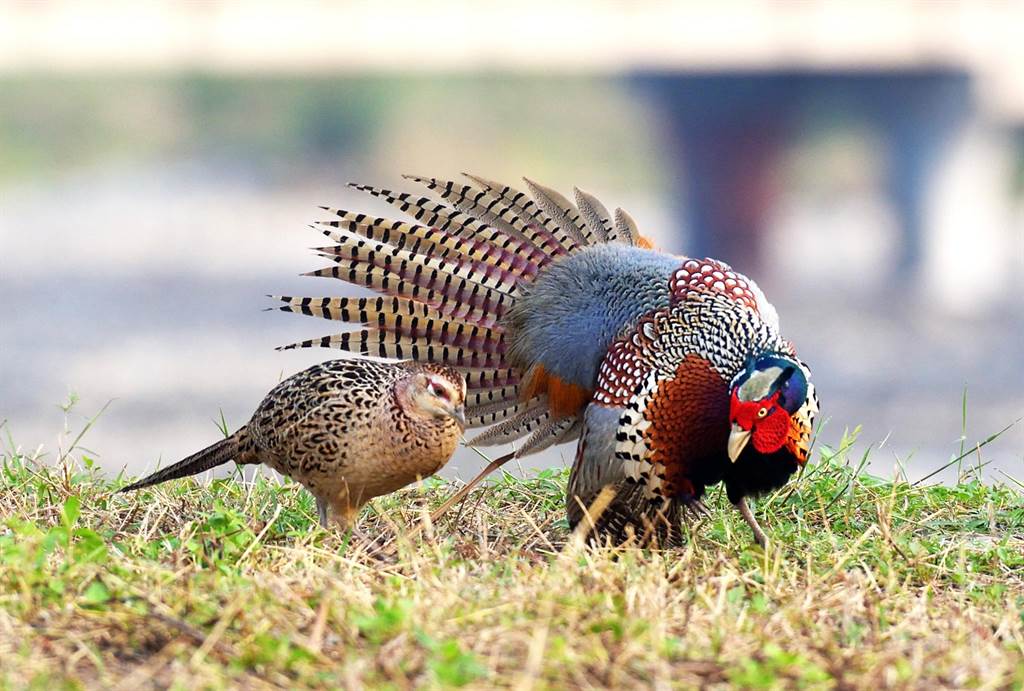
(866,585)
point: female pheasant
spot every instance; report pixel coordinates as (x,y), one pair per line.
(348,430)
(670,371)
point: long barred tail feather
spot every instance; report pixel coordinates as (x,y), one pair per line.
(563,214)
(521,205)
(486,246)
(529,416)
(487,415)
(463,302)
(445,219)
(480,401)
(401,316)
(447,279)
(554,432)
(491,209)
(488,379)
(625,229)
(595,216)
(212,456)
(412,265)
(385,344)
(377,311)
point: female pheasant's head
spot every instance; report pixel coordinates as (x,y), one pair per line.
(772,405)
(434,391)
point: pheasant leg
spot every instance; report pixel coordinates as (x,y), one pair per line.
(748,516)
(321,512)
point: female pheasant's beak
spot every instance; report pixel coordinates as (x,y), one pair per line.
(738,440)
(459,415)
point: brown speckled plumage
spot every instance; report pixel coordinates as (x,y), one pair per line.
(347,430)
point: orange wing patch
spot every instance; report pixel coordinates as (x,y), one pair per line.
(564,399)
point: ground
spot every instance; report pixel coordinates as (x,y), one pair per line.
(866,584)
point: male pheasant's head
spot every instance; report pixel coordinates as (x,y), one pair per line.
(772,405)
(435,391)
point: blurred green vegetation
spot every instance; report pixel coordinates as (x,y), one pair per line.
(55,124)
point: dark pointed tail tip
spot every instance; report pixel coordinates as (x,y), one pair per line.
(324,208)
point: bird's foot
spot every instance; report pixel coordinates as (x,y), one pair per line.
(697,508)
(373,547)
(748,516)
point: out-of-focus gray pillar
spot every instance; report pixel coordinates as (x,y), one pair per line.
(726,132)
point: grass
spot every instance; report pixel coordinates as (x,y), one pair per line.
(867,584)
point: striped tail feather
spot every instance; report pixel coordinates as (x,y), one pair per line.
(493,210)
(415,320)
(410,319)
(446,219)
(216,454)
(377,311)
(554,432)
(495,248)
(487,415)
(479,401)
(462,302)
(406,263)
(489,379)
(563,214)
(522,205)
(515,427)
(403,261)
(595,216)
(447,279)
(385,344)
(626,231)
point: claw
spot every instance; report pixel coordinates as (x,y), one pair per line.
(697,508)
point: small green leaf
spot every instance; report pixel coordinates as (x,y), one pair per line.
(96,593)
(453,666)
(72,509)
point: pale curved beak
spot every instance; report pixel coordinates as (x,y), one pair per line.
(459,415)
(738,439)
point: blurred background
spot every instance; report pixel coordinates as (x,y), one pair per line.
(159,162)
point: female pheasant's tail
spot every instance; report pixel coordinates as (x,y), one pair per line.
(448,278)
(212,456)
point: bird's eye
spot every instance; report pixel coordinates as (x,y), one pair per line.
(437,391)
(762,412)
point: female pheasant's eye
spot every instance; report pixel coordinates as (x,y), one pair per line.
(438,391)
(762,412)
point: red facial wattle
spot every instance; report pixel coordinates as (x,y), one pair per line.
(770,431)
(767,421)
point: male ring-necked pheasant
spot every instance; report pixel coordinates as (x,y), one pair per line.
(670,371)
(347,430)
